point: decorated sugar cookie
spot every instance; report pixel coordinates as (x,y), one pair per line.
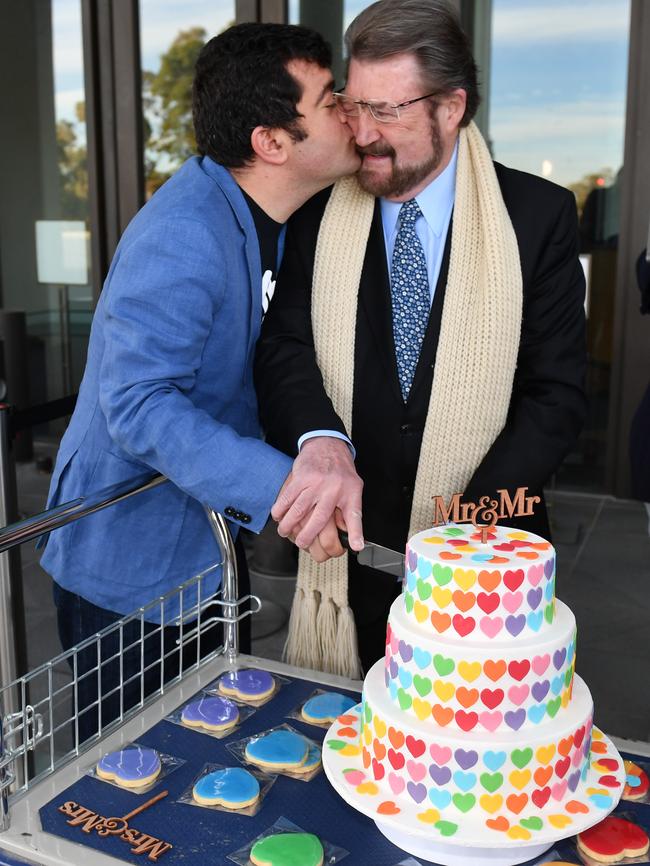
(312,762)
(133,767)
(613,839)
(278,750)
(247,685)
(212,714)
(326,708)
(288,849)
(636,782)
(232,788)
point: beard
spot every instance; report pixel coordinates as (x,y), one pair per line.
(401,178)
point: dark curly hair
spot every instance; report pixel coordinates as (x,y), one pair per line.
(241,81)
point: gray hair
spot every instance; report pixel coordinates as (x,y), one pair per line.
(429,29)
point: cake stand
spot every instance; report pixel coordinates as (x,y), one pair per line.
(452,840)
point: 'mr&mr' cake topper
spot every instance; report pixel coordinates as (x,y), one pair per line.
(486,513)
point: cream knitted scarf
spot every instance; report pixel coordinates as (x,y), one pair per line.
(473,376)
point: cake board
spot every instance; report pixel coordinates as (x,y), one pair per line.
(453,840)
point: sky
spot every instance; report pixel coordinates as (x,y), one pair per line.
(557,82)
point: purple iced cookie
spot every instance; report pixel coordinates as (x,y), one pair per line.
(213,714)
(132,767)
(247,685)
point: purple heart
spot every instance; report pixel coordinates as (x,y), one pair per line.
(464,759)
(515,624)
(558,658)
(406,651)
(586,748)
(247,683)
(394,668)
(574,780)
(515,719)
(540,690)
(413,560)
(130,764)
(534,597)
(549,567)
(417,791)
(386,678)
(440,775)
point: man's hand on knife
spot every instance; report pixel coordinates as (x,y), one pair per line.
(323,479)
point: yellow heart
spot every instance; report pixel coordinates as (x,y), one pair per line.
(434,539)
(518,536)
(469,671)
(380,727)
(421,612)
(545,754)
(441,596)
(429,817)
(600,767)
(603,791)
(350,751)
(445,691)
(367,734)
(465,578)
(422,709)
(491,802)
(367,788)
(520,778)
(596,734)
(560,821)
(518,832)
(465,548)
(566,697)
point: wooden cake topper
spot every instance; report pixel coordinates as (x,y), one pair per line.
(485,513)
(141,843)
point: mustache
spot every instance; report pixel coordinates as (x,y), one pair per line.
(376,149)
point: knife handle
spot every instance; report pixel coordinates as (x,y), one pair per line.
(343,538)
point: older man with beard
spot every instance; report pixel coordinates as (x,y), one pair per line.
(429,312)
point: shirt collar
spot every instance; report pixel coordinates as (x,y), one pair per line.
(436,201)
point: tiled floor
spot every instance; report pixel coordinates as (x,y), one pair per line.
(603,574)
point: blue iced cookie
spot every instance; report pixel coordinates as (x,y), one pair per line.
(232,788)
(326,707)
(247,685)
(278,750)
(312,762)
(132,767)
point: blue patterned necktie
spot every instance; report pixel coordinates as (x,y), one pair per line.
(409,289)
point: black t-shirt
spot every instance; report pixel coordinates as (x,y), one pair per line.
(268,234)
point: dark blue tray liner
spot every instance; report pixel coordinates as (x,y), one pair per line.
(197,834)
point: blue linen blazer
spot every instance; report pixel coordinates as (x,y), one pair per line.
(168,386)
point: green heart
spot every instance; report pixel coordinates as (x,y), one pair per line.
(553,706)
(567,677)
(408,602)
(521,757)
(288,849)
(442,574)
(405,700)
(336,745)
(464,802)
(442,665)
(532,823)
(368,713)
(548,613)
(422,685)
(491,781)
(424,589)
(454,531)
(446,827)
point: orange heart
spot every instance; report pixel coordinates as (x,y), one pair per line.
(494,670)
(467,697)
(542,775)
(379,750)
(365,757)
(442,715)
(347,720)
(396,738)
(489,580)
(446,554)
(346,732)
(440,621)
(499,560)
(564,746)
(501,823)
(527,554)
(388,808)
(575,806)
(516,802)
(599,748)
(540,545)
(464,600)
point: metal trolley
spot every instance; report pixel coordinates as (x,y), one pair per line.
(39,722)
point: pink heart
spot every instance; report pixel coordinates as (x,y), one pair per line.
(440,754)
(355,777)
(491,721)
(512,601)
(577,757)
(396,784)
(394,644)
(518,694)
(559,790)
(535,574)
(416,771)
(491,625)
(540,663)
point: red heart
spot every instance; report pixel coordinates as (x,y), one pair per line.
(415,747)
(378,770)
(579,736)
(464,625)
(518,670)
(396,759)
(457,542)
(562,766)
(540,797)
(504,546)
(609,781)
(492,698)
(608,763)
(514,579)
(614,838)
(466,721)
(488,603)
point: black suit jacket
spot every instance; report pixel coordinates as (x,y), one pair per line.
(548,403)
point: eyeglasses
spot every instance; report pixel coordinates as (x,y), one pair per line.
(384,112)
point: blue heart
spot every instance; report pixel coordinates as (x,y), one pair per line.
(481,557)
(536,714)
(392,688)
(232,786)
(548,592)
(278,749)
(440,799)
(131,765)
(494,760)
(405,678)
(557,684)
(411,581)
(535,620)
(570,651)
(602,801)
(422,658)
(424,567)
(465,781)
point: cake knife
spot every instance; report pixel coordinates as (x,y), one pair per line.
(375,556)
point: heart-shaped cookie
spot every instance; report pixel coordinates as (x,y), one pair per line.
(232,788)
(613,839)
(288,849)
(247,684)
(325,708)
(278,750)
(210,713)
(133,767)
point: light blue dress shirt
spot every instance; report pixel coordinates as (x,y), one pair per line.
(436,201)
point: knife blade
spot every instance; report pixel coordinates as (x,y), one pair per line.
(375,556)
